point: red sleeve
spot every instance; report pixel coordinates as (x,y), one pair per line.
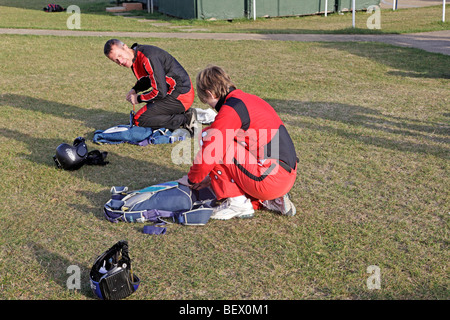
(214,142)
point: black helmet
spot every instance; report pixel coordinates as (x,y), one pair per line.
(73,157)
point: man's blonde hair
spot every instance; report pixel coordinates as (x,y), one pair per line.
(215,80)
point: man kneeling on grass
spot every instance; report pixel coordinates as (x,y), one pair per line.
(247,155)
(162,83)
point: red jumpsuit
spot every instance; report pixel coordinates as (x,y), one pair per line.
(246,151)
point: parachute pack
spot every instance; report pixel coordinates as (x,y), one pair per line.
(161,203)
(111,276)
(141,136)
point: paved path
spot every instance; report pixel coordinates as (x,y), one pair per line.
(437,41)
(387,4)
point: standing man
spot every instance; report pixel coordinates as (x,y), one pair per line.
(247,155)
(162,83)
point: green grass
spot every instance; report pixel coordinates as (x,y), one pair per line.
(29,14)
(370,123)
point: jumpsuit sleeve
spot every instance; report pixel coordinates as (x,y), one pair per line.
(156,81)
(214,143)
(142,84)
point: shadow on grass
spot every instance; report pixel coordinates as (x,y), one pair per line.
(407,62)
(56,267)
(399,128)
(39,152)
(121,170)
(94,118)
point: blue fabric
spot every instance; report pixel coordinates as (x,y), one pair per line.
(154,230)
(95,286)
(161,136)
(167,200)
(160,186)
(132,134)
(198,216)
(170,200)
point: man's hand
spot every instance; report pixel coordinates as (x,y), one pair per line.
(132,97)
(196,186)
(205,183)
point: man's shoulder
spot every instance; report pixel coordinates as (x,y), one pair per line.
(147,48)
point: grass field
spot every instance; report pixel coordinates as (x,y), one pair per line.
(370,123)
(29,14)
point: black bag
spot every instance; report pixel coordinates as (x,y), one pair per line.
(53,8)
(111,275)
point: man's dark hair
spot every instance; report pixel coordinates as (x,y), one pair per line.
(109,44)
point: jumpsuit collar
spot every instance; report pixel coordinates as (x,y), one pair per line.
(222,99)
(134,47)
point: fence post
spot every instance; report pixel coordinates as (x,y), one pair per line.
(353,13)
(443,10)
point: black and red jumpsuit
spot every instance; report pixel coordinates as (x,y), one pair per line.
(164,85)
(247,151)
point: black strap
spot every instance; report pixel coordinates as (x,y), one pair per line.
(285,166)
(251,175)
(96,157)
